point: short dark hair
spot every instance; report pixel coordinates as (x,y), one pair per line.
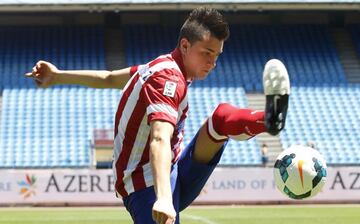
(203,20)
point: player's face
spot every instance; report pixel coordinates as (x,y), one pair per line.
(200,57)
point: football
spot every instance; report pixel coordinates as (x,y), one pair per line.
(300,172)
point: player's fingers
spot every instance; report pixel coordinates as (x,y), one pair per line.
(39,63)
(36,75)
(37,78)
(38,82)
(35,70)
(29,74)
(155,216)
(162,218)
(170,221)
(158,218)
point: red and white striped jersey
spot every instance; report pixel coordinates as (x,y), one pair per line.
(156,91)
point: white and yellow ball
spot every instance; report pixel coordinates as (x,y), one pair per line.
(300,172)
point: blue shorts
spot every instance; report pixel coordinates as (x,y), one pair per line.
(187,180)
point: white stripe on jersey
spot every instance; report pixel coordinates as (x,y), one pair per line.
(180,136)
(136,153)
(165,108)
(166,64)
(129,108)
(182,106)
(149,181)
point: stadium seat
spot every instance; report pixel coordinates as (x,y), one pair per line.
(326,116)
(355,32)
(307,51)
(53,127)
(75,47)
(202,102)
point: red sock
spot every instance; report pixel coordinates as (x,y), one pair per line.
(228,121)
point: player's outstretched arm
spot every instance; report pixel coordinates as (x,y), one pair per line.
(46,74)
(163,211)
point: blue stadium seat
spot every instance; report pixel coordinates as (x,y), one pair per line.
(328,117)
(307,51)
(76,47)
(355,32)
(53,127)
(202,102)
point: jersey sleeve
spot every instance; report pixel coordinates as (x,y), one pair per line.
(162,95)
(133,70)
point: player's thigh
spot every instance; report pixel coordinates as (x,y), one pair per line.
(193,175)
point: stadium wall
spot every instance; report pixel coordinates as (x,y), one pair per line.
(227,185)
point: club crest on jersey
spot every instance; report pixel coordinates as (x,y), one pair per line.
(144,72)
(169,88)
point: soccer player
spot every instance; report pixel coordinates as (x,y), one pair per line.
(154,174)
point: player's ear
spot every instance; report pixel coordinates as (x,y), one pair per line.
(184,45)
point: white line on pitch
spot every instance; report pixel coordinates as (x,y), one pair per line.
(199,218)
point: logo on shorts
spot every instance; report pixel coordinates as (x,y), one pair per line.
(170,88)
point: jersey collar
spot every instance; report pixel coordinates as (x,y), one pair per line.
(176,54)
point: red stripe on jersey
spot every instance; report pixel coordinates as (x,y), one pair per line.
(159,60)
(125,95)
(176,138)
(161,116)
(138,174)
(184,114)
(153,93)
(133,70)
(174,71)
(128,144)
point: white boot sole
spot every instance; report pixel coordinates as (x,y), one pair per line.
(276,78)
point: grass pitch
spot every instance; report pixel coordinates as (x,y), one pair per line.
(349,214)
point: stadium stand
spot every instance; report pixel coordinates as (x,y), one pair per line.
(49,128)
(53,127)
(327,116)
(355,31)
(202,102)
(311,59)
(307,51)
(73,47)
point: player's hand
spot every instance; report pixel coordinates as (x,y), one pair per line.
(163,212)
(43,74)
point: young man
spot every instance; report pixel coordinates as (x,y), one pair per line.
(154,175)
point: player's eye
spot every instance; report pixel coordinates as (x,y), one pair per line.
(206,53)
